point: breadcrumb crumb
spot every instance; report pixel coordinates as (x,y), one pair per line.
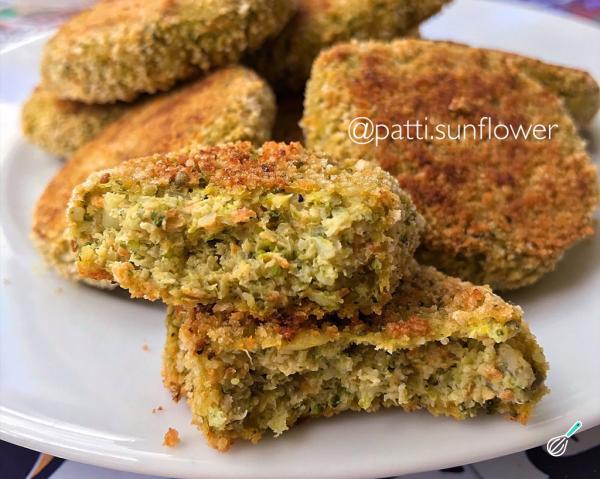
(171,438)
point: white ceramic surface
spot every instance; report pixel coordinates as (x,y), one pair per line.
(76,382)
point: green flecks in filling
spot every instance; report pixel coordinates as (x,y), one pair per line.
(205,244)
(273,389)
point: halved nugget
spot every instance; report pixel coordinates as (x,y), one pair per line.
(498,211)
(246,229)
(228,105)
(120,48)
(286,60)
(61,126)
(442,345)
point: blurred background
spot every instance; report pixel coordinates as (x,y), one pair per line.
(20,19)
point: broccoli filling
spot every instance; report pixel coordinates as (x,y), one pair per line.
(239,394)
(243,249)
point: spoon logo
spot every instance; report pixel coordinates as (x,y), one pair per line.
(558,445)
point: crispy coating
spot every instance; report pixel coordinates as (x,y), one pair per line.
(246,229)
(228,105)
(501,211)
(121,48)
(61,126)
(286,60)
(441,344)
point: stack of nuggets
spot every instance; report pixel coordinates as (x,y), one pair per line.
(292,291)
(112,57)
(120,51)
(289,276)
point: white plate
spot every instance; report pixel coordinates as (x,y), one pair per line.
(75,380)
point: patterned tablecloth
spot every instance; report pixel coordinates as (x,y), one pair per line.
(20,19)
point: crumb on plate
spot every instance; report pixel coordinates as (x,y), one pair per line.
(171,438)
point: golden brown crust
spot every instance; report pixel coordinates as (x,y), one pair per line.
(499,212)
(227,166)
(424,308)
(120,48)
(273,166)
(230,104)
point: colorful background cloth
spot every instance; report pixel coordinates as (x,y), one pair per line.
(20,19)
(584,8)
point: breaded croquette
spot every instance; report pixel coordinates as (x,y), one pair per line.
(442,345)
(61,126)
(228,105)
(119,49)
(286,60)
(498,211)
(246,229)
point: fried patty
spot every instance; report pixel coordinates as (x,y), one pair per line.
(246,229)
(501,212)
(120,48)
(286,59)
(61,126)
(228,105)
(442,345)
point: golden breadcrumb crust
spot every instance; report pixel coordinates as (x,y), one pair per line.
(427,306)
(120,48)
